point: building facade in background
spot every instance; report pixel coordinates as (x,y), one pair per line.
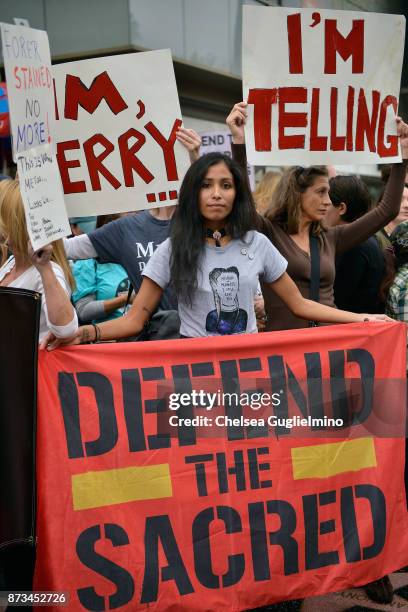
(204,37)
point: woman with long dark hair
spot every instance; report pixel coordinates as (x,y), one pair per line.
(214,259)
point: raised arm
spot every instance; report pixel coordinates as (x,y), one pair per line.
(236,122)
(351,234)
(192,142)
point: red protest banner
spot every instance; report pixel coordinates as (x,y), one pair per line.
(135,513)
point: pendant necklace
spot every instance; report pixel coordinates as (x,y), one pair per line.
(216,235)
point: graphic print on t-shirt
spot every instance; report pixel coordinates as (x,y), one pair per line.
(227,317)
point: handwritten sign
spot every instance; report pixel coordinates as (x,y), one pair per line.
(43,200)
(221,143)
(322,86)
(27,64)
(116,124)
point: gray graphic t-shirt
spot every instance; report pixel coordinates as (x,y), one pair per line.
(227,282)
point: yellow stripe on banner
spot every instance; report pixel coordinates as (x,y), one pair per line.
(98,489)
(324,460)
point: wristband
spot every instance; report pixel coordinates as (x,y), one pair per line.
(97,333)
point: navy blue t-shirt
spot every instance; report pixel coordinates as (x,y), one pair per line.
(131,241)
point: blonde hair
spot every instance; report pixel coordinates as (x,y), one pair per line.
(286,205)
(264,191)
(14,229)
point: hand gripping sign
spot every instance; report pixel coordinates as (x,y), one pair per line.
(322,86)
(116,124)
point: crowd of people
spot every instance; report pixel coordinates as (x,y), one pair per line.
(303,250)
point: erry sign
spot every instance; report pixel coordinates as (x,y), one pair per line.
(116,124)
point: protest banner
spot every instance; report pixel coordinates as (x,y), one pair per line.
(27,64)
(137,516)
(322,86)
(116,123)
(42,196)
(221,143)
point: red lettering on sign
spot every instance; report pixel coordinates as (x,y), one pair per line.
(64,165)
(337,143)
(129,160)
(289,95)
(102,88)
(167,146)
(351,45)
(94,162)
(392,139)
(366,125)
(262,99)
(295,44)
(350,113)
(353,140)
(317,143)
(17,78)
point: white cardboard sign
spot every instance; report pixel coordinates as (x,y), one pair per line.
(322,86)
(221,143)
(116,119)
(42,196)
(27,63)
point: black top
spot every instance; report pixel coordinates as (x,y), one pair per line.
(359,273)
